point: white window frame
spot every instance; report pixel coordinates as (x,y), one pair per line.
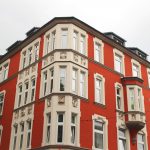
(118,85)
(119,54)
(26,91)
(2,102)
(20,95)
(141,142)
(136,63)
(33,88)
(53,39)
(74,80)
(102,79)
(1,132)
(64,38)
(136,101)
(22,124)
(51,80)
(4,69)
(47,44)
(62,78)
(36,51)
(148,76)
(82,44)
(103,120)
(48,125)
(28,132)
(15,137)
(45,85)
(74,126)
(75,40)
(82,84)
(122,138)
(101,50)
(60,124)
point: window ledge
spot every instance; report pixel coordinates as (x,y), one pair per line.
(99,104)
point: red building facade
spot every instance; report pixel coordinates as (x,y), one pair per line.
(69,86)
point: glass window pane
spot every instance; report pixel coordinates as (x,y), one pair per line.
(99,140)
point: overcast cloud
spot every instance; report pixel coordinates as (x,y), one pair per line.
(130,19)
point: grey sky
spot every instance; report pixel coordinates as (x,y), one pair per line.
(130,19)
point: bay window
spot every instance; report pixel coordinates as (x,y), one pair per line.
(74,80)
(47,44)
(21,135)
(53,40)
(51,79)
(73,128)
(62,78)
(32,89)
(48,128)
(60,127)
(122,140)
(44,83)
(82,44)
(82,84)
(75,40)
(15,131)
(29,124)
(64,37)
(36,51)
(26,92)
(119,97)
(140,141)
(136,68)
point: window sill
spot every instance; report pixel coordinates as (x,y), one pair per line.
(99,104)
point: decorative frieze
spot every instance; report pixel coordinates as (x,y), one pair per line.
(74,102)
(61,99)
(63,55)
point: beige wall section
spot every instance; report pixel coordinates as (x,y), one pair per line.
(22,116)
(67,105)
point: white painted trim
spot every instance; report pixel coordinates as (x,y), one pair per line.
(148,76)
(133,61)
(101,77)
(120,54)
(100,42)
(105,121)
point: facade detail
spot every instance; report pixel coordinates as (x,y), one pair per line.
(68,86)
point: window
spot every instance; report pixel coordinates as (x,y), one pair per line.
(32,89)
(98,135)
(48,127)
(122,140)
(1,129)
(73,128)
(24,60)
(53,40)
(136,69)
(36,51)
(47,44)
(26,92)
(119,97)
(82,44)
(60,128)
(64,36)
(30,55)
(4,71)
(15,130)
(75,40)
(139,99)
(44,83)
(21,135)
(148,74)
(19,95)
(135,98)
(97,52)
(100,132)
(51,80)
(119,61)
(99,89)
(132,98)
(1,102)
(74,80)
(140,142)
(62,78)
(82,84)
(28,133)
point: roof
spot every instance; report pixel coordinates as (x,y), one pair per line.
(80,24)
